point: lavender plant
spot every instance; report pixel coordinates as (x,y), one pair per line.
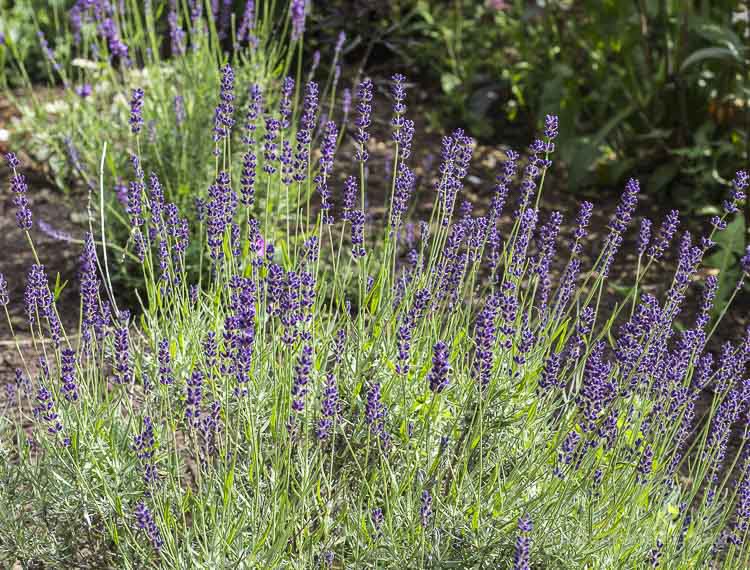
(456,397)
(152,70)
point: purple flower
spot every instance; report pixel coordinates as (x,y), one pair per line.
(254,111)
(457,150)
(399,108)
(48,53)
(405,184)
(209,429)
(248,22)
(297,15)
(285,107)
(239,332)
(644,236)
(39,302)
(45,410)
(377,518)
(67,374)
(582,223)
(655,554)
(305,131)
(116,46)
(521,557)
(404,334)
(194,398)
(4,297)
(301,378)
(550,128)
(550,374)
(136,111)
(346,101)
(357,218)
(90,309)
(665,234)
(247,181)
(425,511)
(165,363)
(145,522)
(740,182)
(547,247)
(327,151)
(646,463)
(123,371)
(350,196)
(485,335)
(330,407)
(223,120)
(745,261)
(438,376)
(364,94)
(84,90)
(176,33)
(135,195)
(144,446)
(619,223)
(19,188)
(270,146)
(375,410)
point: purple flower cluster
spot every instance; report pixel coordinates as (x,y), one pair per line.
(399,107)
(485,335)
(144,446)
(39,302)
(145,522)
(301,378)
(270,146)
(522,555)
(375,410)
(244,34)
(223,120)
(4,298)
(220,210)
(330,408)
(364,107)
(239,332)
(194,398)
(618,224)
(45,410)
(438,376)
(176,33)
(665,234)
(136,188)
(19,188)
(123,370)
(457,150)
(68,375)
(405,331)
(327,150)
(136,111)
(297,13)
(285,106)
(425,511)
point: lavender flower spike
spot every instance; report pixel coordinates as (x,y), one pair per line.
(136,111)
(521,557)
(297,14)
(364,93)
(438,376)
(19,188)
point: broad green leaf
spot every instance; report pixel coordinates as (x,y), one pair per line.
(711,53)
(731,245)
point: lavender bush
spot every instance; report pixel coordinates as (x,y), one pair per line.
(171,54)
(451,393)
